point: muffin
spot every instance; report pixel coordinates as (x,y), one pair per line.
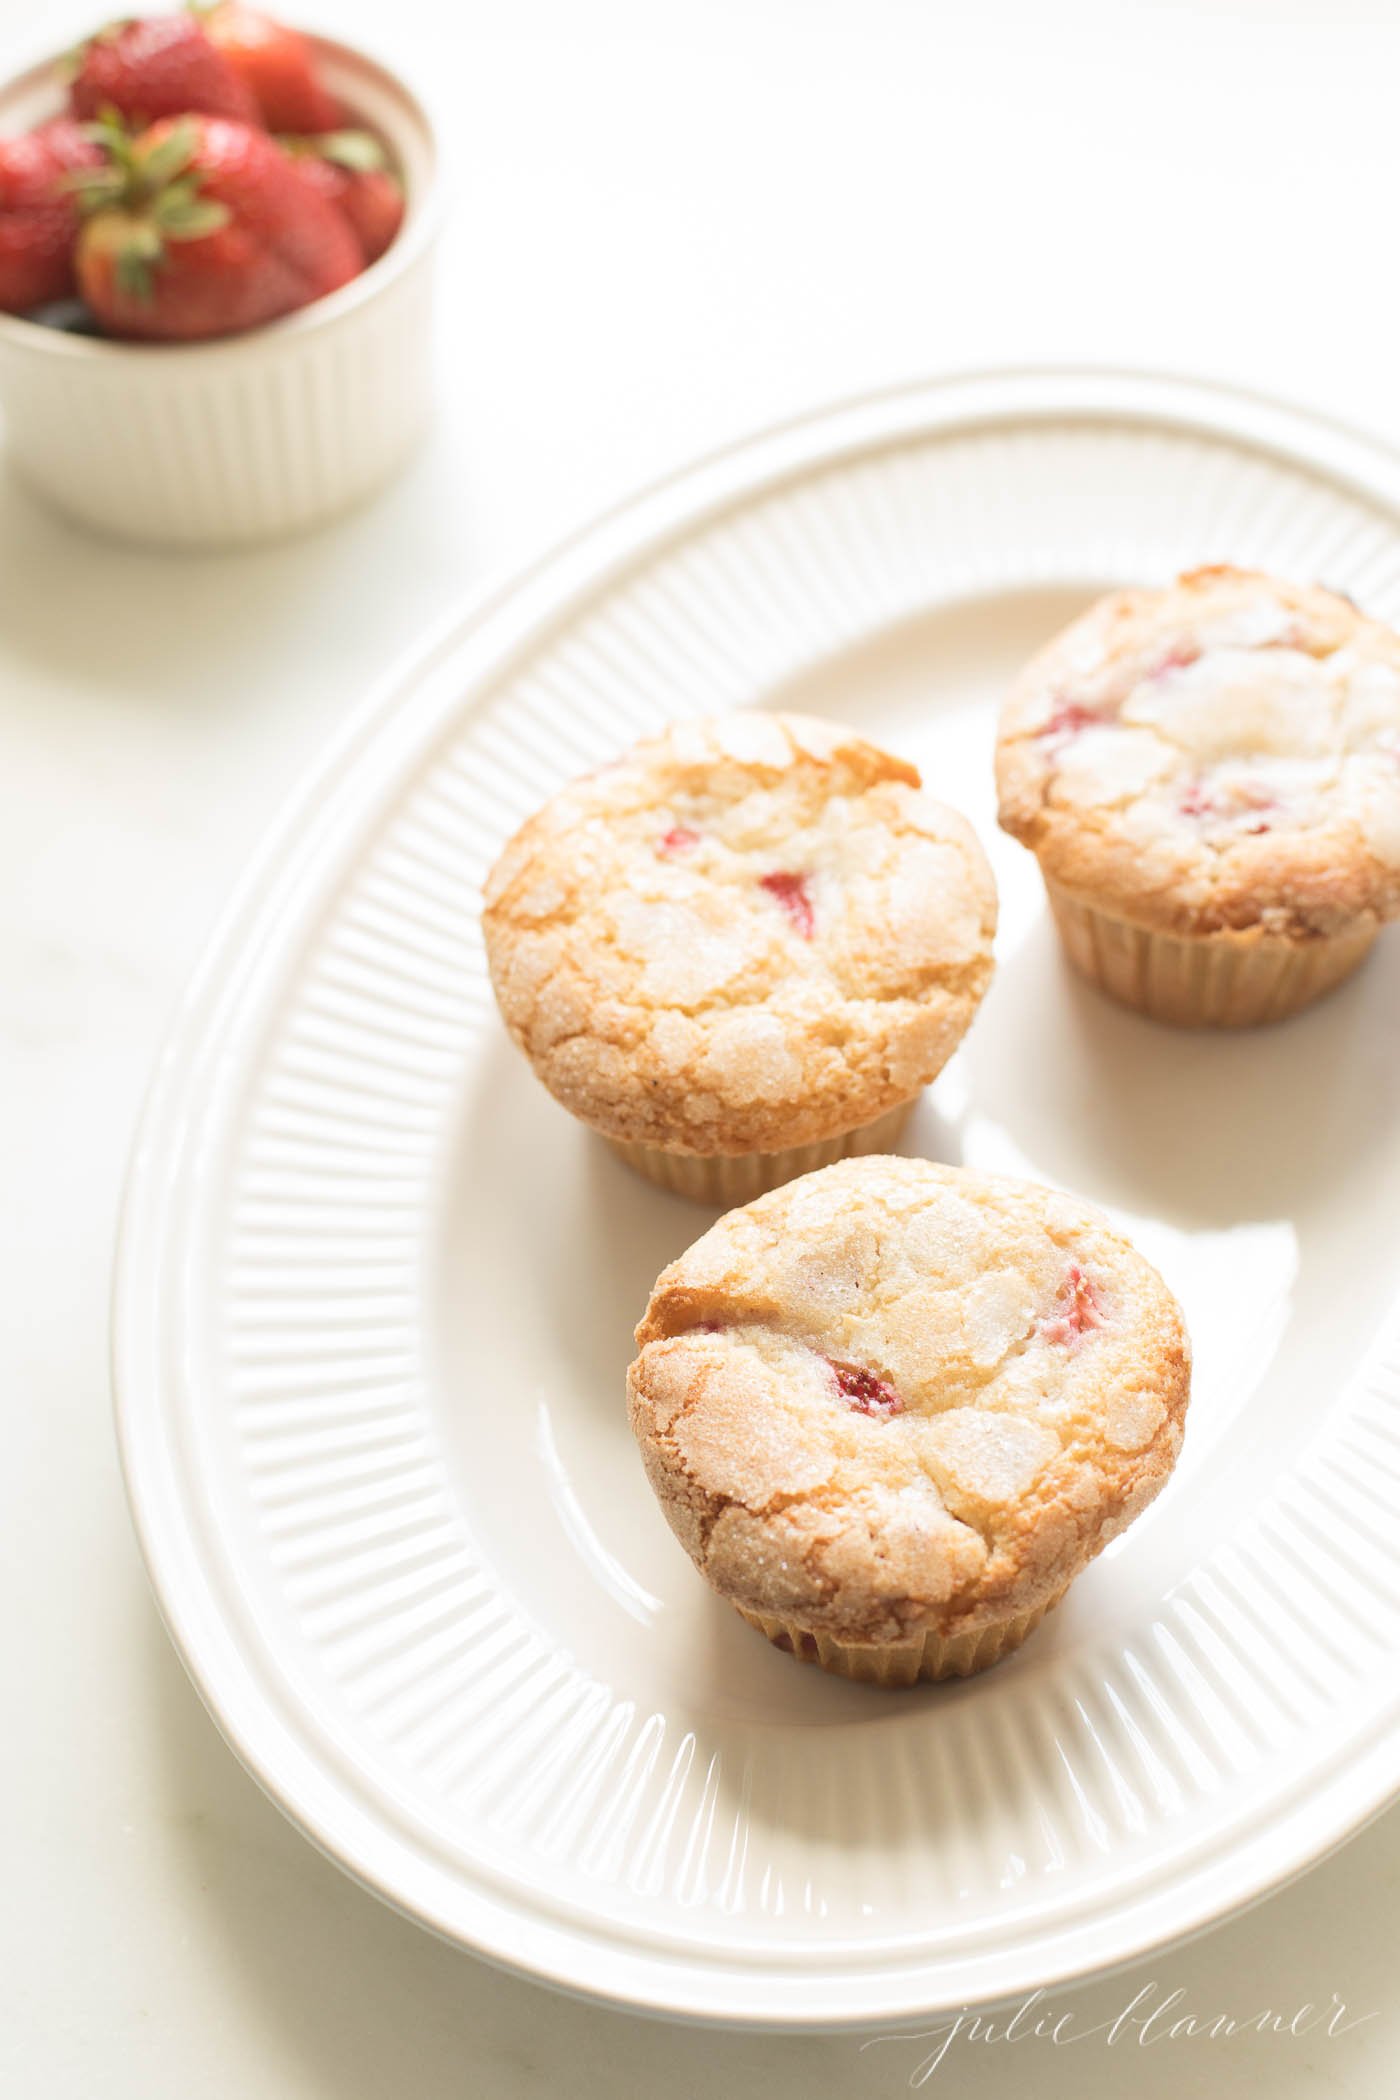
(1209,776)
(742,950)
(892,1410)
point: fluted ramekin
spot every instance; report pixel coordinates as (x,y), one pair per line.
(253,436)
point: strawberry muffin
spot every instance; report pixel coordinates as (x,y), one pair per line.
(893,1409)
(741,951)
(1209,776)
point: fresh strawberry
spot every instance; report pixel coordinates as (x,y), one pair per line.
(165,66)
(39,213)
(202,228)
(352,169)
(276,65)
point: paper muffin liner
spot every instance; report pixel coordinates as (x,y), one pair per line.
(898,1663)
(719,1178)
(1209,980)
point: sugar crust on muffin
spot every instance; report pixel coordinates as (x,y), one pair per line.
(894,1398)
(1219,756)
(750,933)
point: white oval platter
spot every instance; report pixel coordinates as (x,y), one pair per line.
(375,1290)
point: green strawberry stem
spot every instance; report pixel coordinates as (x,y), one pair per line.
(147,197)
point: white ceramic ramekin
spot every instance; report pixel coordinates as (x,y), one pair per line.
(226,443)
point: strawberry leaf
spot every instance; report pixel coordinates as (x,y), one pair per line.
(109,131)
(359,151)
(190,219)
(174,197)
(135,258)
(93,188)
(161,163)
(134,280)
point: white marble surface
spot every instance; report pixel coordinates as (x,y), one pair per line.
(673,221)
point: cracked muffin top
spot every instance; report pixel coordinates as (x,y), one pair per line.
(896,1398)
(749,933)
(1218,756)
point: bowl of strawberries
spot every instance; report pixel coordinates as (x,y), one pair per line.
(216,245)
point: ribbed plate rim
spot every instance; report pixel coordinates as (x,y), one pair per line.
(494,624)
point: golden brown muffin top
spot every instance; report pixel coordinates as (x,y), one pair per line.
(1221,755)
(749,933)
(895,1398)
